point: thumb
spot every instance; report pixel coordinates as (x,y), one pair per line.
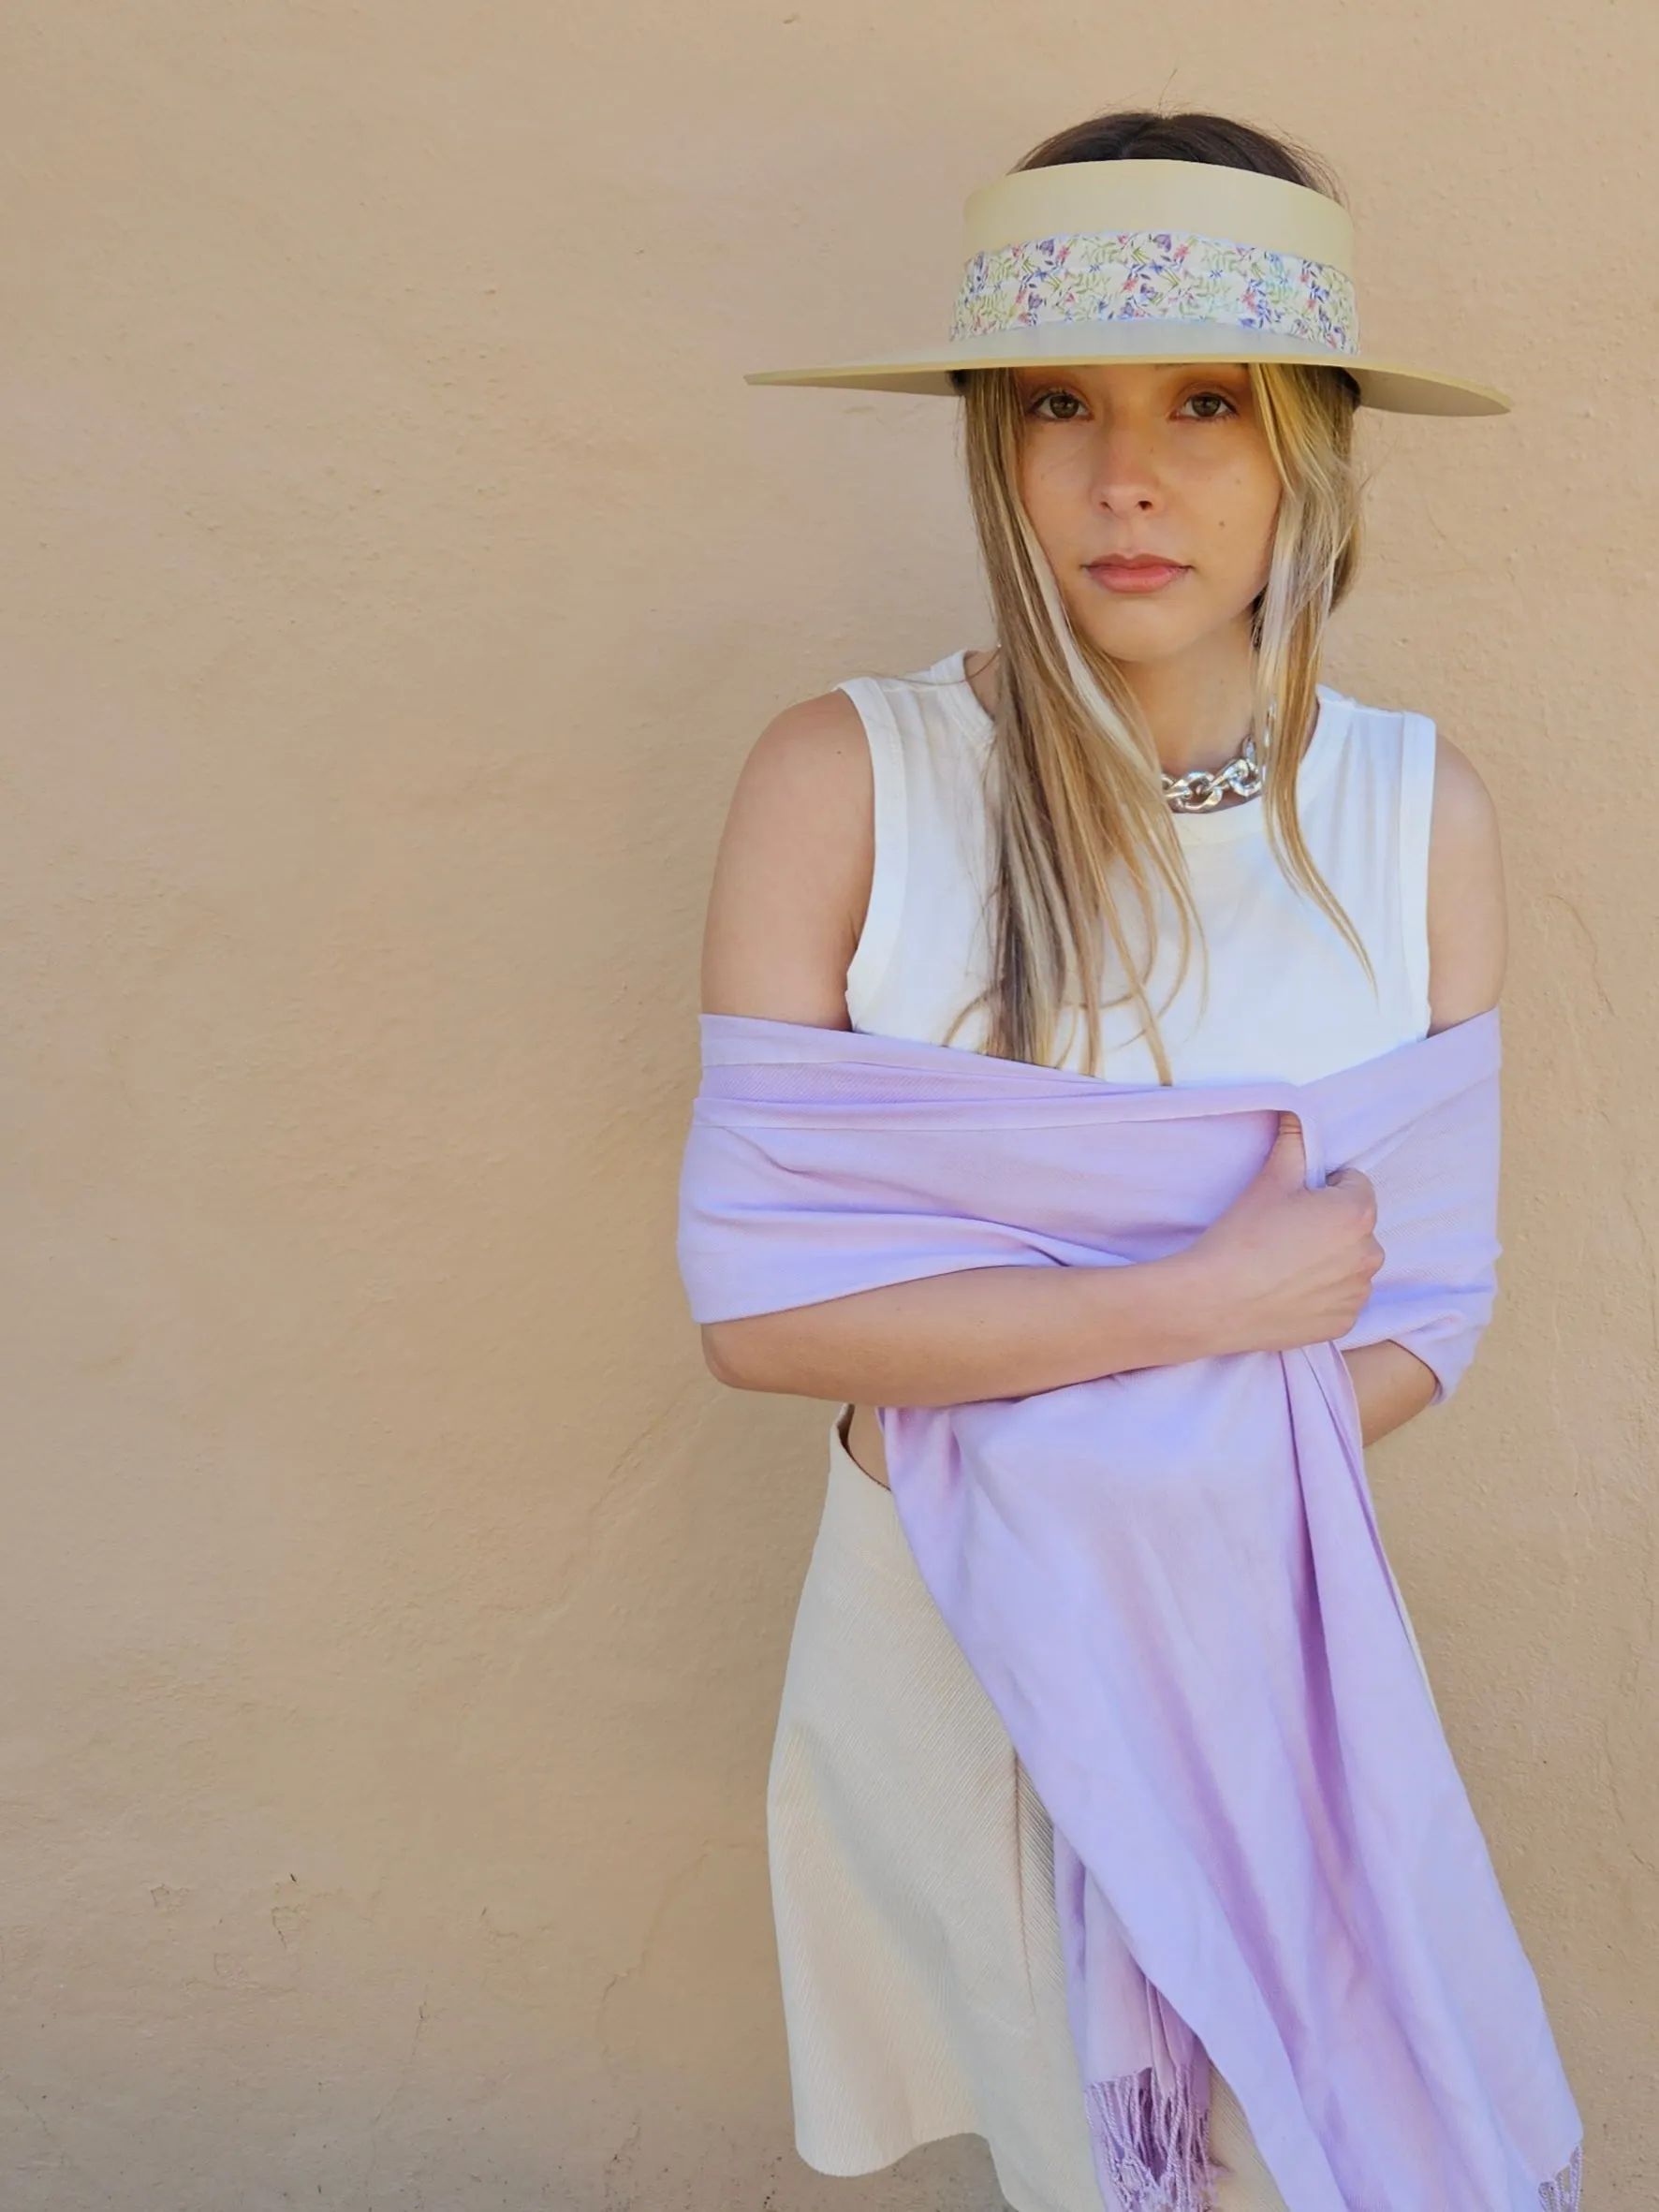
(1352,1179)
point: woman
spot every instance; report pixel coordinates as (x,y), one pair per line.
(1064,850)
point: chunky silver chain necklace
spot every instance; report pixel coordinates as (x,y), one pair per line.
(1202,789)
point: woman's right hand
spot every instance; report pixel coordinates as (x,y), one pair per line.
(1285,1265)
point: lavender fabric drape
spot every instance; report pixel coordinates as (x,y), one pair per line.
(1173,1586)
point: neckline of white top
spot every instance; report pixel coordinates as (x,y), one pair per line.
(1227,822)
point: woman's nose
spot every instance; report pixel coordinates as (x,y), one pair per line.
(1126,474)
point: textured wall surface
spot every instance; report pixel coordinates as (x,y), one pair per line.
(393,571)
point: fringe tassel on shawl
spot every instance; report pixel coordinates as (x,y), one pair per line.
(1154,2146)
(1562,2193)
(1155,2149)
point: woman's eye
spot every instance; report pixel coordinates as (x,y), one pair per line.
(1212,405)
(1064,400)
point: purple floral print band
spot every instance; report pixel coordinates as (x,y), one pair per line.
(1159,276)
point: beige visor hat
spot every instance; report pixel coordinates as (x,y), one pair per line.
(1154,261)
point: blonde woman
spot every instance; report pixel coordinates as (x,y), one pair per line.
(1135,837)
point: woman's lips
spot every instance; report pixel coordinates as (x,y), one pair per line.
(1138,575)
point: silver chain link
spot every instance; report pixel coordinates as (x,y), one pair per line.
(1202,789)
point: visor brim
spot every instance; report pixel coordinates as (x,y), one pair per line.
(1387,385)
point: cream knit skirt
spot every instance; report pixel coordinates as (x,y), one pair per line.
(912,1878)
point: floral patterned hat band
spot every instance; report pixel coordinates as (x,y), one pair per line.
(1165,276)
(1154,261)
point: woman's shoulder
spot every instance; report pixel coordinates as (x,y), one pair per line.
(832,746)
(1461,792)
(797,860)
(1467,925)
(811,724)
(802,798)
(792,875)
(808,743)
(1431,806)
(1461,798)
(1462,870)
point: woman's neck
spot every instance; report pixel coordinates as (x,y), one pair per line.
(1197,707)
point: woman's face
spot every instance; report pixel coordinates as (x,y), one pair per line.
(1153,494)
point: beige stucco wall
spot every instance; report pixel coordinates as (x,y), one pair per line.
(394,571)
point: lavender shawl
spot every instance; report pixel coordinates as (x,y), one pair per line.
(1171,1585)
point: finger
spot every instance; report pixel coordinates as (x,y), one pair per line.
(1288,1159)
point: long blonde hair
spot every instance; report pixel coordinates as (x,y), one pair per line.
(1082,837)
(1082,834)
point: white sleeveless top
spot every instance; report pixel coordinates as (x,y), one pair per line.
(1287,998)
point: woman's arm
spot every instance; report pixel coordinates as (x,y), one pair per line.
(1284,1266)
(1467,950)
(1391,1385)
(791,886)
(985,1332)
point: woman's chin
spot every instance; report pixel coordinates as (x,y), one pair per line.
(1134,633)
(1143,634)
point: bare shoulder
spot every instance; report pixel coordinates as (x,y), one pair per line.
(815,748)
(1468,936)
(792,878)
